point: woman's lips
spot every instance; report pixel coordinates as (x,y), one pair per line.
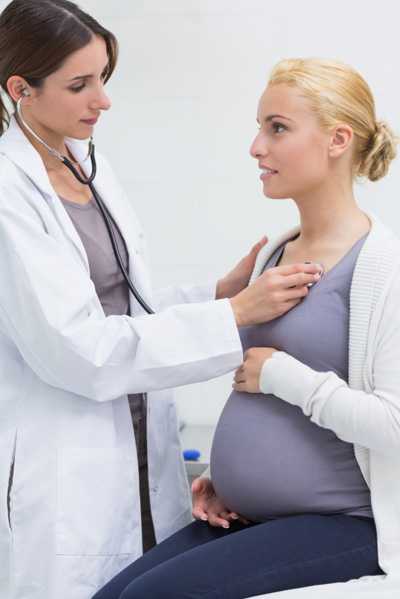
(90,121)
(267,173)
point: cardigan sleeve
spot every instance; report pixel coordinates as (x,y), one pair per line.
(370,419)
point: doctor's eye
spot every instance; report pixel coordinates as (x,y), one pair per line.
(78,88)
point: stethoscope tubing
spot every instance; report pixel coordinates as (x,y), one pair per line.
(89,181)
(107,220)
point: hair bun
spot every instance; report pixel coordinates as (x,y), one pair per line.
(379,153)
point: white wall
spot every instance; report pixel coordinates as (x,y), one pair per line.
(184,106)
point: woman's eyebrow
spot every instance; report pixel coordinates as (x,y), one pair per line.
(273,116)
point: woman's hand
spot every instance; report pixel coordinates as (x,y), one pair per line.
(208,507)
(238,278)
(247,376)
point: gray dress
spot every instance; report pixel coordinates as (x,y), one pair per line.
(268,459)
(114,297)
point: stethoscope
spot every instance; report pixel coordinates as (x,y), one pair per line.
(89,182)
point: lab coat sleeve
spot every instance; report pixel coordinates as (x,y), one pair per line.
(184,294)
(371,420)
(50,311)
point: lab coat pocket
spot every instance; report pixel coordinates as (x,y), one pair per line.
(97,502)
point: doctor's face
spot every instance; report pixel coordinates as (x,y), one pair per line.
(72,98)
(291,148)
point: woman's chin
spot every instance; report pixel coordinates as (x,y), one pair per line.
(275,195)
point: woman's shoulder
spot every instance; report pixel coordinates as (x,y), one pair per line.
(382,244)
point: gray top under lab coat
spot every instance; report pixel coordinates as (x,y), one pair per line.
(268,459)
(113,294)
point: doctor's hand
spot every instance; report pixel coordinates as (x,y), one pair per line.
(274,292)
(208,507)
(238,278)
(247,376)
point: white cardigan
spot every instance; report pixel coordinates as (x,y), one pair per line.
(366,411)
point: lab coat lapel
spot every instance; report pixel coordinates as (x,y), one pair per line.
(17,148)
(122,213)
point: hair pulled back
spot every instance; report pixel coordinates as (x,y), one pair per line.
(338,94)
(37,36)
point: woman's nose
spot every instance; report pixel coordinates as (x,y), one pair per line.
(258,147)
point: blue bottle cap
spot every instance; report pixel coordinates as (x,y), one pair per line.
(191,455)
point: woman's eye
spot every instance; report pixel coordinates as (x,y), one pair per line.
(278,127)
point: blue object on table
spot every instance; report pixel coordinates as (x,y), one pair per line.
(191,455)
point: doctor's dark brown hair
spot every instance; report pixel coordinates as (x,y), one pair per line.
(37,36)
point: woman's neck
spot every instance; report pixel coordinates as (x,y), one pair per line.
(330,217)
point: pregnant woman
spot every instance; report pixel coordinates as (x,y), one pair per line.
(304,487)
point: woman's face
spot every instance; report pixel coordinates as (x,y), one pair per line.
(72,98)
(290,147)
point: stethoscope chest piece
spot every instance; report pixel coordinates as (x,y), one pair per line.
(322,272)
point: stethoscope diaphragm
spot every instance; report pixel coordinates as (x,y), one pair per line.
(321,273)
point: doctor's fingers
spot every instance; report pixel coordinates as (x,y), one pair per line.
(295,293)
(299,280)
(299,267)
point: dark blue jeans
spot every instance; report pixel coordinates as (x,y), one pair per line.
(213,563)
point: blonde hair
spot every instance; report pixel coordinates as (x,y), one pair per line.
(338,94)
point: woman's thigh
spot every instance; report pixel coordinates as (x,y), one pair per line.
(281,554)
(189,537)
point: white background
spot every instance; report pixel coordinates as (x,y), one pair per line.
(184,105)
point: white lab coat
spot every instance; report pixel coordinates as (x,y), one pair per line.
(65,370)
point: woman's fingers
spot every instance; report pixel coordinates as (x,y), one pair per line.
(241,387)
(217,521)
(239,377)
(199,513)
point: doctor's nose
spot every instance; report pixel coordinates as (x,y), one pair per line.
(102,101)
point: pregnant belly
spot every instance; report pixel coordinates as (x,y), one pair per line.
(270,460)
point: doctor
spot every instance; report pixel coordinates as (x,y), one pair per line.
(82,366)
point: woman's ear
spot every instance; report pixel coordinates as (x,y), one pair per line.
(341,139)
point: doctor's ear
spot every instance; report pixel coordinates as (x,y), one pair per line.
(341,138)
(17,87)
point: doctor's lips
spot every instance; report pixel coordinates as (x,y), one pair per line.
(266,171)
